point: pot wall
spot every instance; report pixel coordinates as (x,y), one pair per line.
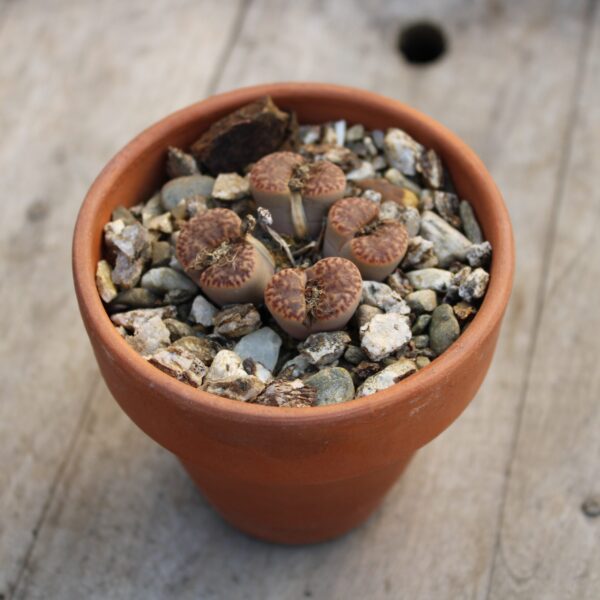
(292,475)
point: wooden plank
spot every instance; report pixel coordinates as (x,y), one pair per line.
(548,546)
(76,83)
(124,521)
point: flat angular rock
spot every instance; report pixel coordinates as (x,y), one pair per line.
(469,222)
(181,364)
(242,137)
(419,255)
(104,282)
(150,335)
(202,347)
(384,334)
(479,255)
(449,243)
(289,394)
(133,319)
(228,377)
(165,279)
(333,385)
(231,186)
(325,347)
(402,151)
(387,377)
(180,164)
(430,279)
(261,345)
(237,320)
(384,297)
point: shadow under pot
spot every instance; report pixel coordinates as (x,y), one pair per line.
(355,231)
(229,264)
(296,192)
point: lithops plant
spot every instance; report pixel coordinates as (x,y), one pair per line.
(322,297)
(219,253)
(298,193)
(355,231)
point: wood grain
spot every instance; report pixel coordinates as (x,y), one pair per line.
(92,508)
(548,546)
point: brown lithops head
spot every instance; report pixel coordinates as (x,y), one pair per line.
(296,192)
(321,298)
(230,266)
(355,232)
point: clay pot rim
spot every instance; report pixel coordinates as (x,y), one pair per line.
(196,402)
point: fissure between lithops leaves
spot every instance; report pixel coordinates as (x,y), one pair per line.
(312,296)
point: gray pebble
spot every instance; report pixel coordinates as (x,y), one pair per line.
(421,341)
(430,279)
(295,367)
(164,279)
(161,253)
(354,355)
(422,361)
(262,345)
(443,329)
(421,324)
(449,243)
(180,164)
(333,385)
(469,222)
(185,187)
(202,311)
(422,301)
(137,297)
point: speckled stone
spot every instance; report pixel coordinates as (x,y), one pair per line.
(325,347)
(443,329)
(384,334)
(333,385)
(387,377)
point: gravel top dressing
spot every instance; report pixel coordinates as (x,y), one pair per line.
(295,265)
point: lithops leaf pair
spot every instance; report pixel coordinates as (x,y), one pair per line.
(229,265)
(298,193)
(322,297)
(355,231)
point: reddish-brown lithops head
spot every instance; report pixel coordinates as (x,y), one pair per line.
(296,192)
(321,298)
(355,232)
(229,266)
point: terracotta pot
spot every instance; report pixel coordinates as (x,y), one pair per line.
(292,475)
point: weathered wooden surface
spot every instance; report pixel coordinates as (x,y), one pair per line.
(492,509)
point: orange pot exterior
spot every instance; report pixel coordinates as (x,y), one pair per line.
(283,474)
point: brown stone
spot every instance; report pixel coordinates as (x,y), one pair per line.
(242,137)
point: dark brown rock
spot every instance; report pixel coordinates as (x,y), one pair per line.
(242,137)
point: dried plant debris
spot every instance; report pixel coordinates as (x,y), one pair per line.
(295,266)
